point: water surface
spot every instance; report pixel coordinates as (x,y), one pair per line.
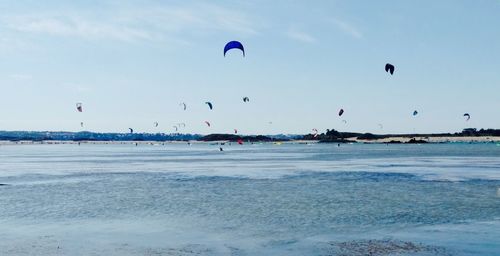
(261,199)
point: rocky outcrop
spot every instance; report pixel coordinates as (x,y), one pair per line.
(331,136)
(415,141)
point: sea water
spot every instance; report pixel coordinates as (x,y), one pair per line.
(252,199)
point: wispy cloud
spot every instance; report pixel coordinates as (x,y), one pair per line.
(135,24)
(75,26)
(298,35)
(346,28)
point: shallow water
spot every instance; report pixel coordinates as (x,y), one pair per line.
(260,199)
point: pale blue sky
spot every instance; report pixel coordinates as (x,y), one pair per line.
(132,63)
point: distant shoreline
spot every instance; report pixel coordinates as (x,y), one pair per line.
(388,140)
(469,135)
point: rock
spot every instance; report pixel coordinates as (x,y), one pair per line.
(415,141)
(394,142)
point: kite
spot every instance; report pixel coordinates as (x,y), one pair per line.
(79,107)
(184,106)
(389,68)
(209,105)
(234,45)
(468,116)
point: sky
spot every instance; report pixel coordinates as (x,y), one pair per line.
(131,63)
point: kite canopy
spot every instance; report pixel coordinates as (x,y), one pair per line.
(468,116)
(235,131)
(209,104)
(415,113)
(246,99)
(389,68)
(131,130)
(208,123)
(183,105)
(156,124)
(341,111)
(315,132)
(81,124)
(79,107)
(176,128)
(234,45)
